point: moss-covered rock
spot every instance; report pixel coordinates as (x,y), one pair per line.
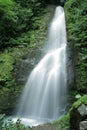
(82,100)
(78,112)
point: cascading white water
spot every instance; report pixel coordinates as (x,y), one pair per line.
(44,96)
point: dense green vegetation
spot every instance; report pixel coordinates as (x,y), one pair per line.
(17,18)
(82,100)
(23,26)
(22,29)
(77,29)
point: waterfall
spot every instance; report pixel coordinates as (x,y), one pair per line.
(44,95)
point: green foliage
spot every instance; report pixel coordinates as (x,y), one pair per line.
(77,29)
(8,25)
(8,124)
(63,123)
(82,100)
(10,57)
(1,120)
(6,80)
(6,4)
(9,90)
(16,19)
(6,67)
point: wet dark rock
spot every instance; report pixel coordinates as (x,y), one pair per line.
(25,66)
(75,119)
(70,66)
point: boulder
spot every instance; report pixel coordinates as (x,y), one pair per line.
(77,115)
(82,110)
(75,119)
(83,125)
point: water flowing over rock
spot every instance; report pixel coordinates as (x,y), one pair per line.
(44,96)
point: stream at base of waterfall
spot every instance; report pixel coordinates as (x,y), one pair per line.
(44,96)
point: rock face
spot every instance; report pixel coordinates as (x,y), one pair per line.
(77,117)
(25,65)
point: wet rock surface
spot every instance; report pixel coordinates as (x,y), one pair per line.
(26,64)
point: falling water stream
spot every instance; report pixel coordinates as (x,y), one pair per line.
(44,96)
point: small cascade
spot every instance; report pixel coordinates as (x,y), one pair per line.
(44,96)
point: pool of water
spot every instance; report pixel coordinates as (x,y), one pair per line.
(31,121)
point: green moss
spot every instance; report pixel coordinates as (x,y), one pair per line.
(82,100)
(63,122)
